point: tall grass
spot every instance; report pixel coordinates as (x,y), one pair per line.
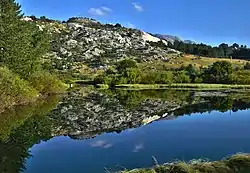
(239,163)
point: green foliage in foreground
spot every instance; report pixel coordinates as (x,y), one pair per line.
(238,163)
(13,89)
(16,91)
(46,83)
(22,46)
(22,43)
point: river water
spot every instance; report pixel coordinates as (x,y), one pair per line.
(98,131)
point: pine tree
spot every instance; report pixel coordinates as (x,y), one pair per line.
(22,44)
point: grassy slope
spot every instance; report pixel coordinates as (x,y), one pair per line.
(189,59)
(184,61)
(239,163)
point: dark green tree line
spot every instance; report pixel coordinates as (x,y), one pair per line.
(222,51)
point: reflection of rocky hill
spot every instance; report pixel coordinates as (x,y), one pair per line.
(84,116)
(96,113)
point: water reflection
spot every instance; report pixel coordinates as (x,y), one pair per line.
(85,115)
(21,128)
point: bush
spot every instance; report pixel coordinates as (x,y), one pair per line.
(14,90)
(219,72)
(125,65)
(181,77)
(247,66)
(156,77)
(46,83)
(241,77)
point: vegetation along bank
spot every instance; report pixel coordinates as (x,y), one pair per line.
(23,76)
(239,163)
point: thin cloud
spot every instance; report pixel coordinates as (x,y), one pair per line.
(102,11)
(138,7)
(106,9)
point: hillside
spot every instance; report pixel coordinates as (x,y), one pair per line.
(83,41)
(86,41)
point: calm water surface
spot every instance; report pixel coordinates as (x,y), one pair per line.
(212,127)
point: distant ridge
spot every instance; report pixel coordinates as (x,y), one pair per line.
(172,39)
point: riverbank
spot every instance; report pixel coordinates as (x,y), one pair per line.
(181,85)
(15,90)
(239,163)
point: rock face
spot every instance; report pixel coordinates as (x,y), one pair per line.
(90,42)
(87,116)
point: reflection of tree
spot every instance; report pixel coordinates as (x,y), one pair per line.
(14,149)
(132,98)
(221,104)
(241,104)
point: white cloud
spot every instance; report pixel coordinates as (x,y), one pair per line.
(106,9)
(102,11)
(97,12)
(138,7)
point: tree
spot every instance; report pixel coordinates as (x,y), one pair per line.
(192,72)
(221,52)
(22,44)
(190,48)
(214,53)
(10,10)
(118,25)
(219,72)
(33,18)
(235,45)
(124,65)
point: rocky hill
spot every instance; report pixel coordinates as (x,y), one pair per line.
(168,38)
(172,39)
(86,41)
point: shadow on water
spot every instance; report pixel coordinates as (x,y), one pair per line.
(83,115)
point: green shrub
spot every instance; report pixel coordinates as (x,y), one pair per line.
(14,90)
(125,64)
(247,66)
(219,72)
(156,77)
(46,83)
(181,77)
(241,77)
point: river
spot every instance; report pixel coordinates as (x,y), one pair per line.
(98,131)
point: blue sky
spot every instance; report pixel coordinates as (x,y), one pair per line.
(208,21)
